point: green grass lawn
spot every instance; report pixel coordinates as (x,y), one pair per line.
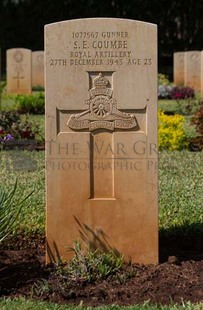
(29,168)
(180,189)
(23,304)
(7,102)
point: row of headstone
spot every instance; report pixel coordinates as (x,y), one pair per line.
(188,69)
(25,69)
(101,137)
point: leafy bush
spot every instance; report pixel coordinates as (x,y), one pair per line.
(181,92)
(33,104)
(164,86)
(7,118)
(163,79)
(12,124)
(175,92)
(171,134)
(197,120)
(189,129)
(187,106)
(92,265)
(10,208)
(164,91)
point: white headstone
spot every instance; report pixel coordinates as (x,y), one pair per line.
(101,137)
(38,68)
(193,69)
(19,71)
(179,68)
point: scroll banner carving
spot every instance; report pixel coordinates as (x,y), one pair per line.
(102,112)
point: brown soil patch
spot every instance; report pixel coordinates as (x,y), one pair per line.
(178,277)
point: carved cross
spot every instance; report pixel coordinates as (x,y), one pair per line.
(18,78)
(101,119)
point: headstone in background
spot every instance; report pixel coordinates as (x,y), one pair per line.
(18,71)
(38,68)
(193,69)
(101,137)
(179,68)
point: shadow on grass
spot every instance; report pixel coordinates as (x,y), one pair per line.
(185,242)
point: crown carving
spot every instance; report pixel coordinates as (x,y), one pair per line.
(100,81)
(100,84)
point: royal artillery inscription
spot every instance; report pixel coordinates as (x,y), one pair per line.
(101,137)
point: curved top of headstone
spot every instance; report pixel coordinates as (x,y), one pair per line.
(99,19)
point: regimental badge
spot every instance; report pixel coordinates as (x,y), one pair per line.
(102,112)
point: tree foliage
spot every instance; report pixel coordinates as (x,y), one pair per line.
(180,23)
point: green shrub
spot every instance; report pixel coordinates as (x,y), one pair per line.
(7,102)
(7,119)
(171,134)
(189,129)
(163,79)
(182,92)
(91,265)
(33,104)
(187,106)
(10,208)
(175,92)
(11,123)
(38,88)
(169,107)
